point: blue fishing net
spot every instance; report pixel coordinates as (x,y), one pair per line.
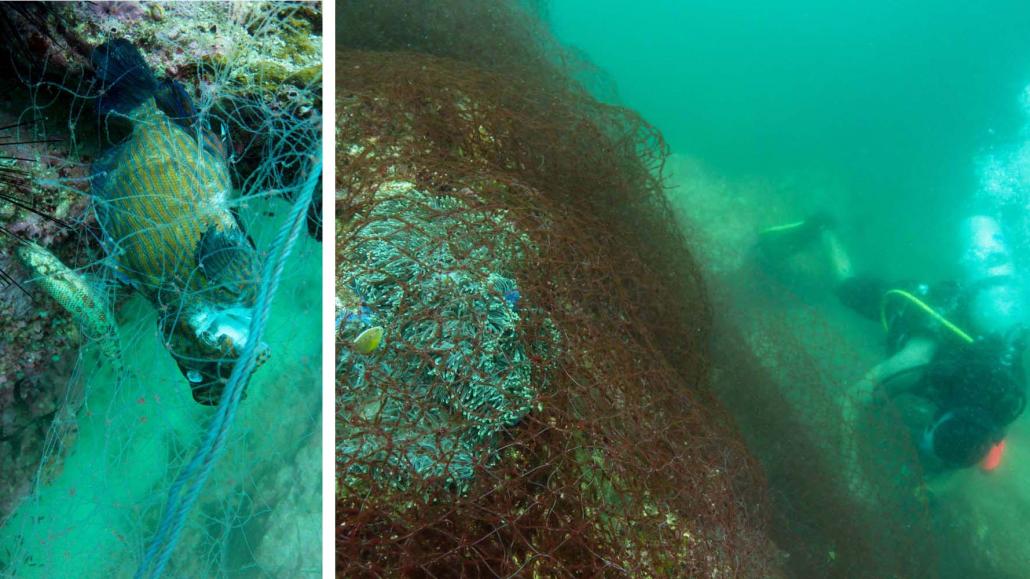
(132,476)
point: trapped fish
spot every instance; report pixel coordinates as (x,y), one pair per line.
(75,294)
(369,340)
(163,200)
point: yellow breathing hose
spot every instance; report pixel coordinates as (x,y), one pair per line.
(926,309)
(785,227)
(902,293)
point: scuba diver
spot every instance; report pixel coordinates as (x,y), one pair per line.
(957,345)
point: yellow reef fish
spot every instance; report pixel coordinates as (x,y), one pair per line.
(369,340)
(162,197)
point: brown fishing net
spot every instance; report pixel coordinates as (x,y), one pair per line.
(782,367)
(554,384)
(536,405)
(846,500)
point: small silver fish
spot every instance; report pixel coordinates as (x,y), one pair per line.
(80,299)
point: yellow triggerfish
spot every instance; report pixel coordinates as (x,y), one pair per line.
(162,197)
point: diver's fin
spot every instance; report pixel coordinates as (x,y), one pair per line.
(221,249)
(782,241)
(126,80)
(173,100)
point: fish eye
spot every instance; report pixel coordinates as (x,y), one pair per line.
(209,338)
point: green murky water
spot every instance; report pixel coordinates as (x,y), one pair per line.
(900,119)
(260,513)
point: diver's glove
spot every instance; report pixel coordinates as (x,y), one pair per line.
(782,241)
(863,294)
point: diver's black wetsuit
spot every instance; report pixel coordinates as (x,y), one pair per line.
(867,297)
(977,383)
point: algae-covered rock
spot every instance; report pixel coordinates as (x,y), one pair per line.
(265,49)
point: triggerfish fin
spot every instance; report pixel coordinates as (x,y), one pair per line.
(993,458)
(226,258)
(369,340)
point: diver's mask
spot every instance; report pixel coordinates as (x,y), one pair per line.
(982,389)
(962,437)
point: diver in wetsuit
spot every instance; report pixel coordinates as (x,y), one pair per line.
(957,344)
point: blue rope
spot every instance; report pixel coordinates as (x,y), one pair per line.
(179,504)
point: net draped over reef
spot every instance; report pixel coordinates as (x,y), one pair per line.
(555,391)
(537,403)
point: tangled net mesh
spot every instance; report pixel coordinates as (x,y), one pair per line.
(846,498)
(538,403)
(118,435)
(782,370)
